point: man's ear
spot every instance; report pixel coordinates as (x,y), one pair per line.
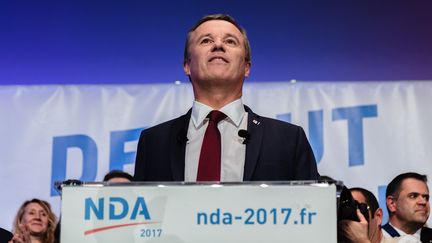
(186,67)
(391,203)
(378,215)
(247,69)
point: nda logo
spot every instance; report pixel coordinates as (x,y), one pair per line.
(116,208)
(116,204)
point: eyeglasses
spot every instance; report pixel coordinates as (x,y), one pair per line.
(362,206)
(364,209)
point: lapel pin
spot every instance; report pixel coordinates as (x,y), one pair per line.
(256,122)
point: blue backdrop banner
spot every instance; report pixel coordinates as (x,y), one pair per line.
(363,133)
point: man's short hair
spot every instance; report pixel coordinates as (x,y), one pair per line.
(394,187)
(117,174)
(371,200)
(224,17)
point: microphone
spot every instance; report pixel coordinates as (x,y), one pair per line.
(245,135)
(182,136)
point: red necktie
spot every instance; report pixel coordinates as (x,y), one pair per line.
(210,158)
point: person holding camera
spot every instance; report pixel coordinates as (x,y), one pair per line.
(368,230)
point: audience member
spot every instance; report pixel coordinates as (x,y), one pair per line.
(369,230)
(34,223)
(57,232)
(117,176)
(407,199)
(5,235)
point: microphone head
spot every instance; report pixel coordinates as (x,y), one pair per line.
(182,136)
(243,133)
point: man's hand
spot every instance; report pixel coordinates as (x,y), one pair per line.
(353,230)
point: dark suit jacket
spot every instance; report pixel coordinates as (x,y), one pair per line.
(275,150)
(5,236)
(425,234)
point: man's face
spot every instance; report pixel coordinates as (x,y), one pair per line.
(412,204)
(217,55)
(118,180)
(375,222)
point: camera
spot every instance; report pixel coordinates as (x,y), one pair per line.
(347,207)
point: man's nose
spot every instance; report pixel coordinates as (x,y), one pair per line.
(218,45)
(422,200)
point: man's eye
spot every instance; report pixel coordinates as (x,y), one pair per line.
(231,42)
(205,41)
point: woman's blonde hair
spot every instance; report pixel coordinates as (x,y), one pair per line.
(48,237)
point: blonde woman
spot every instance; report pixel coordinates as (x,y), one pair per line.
(34,223)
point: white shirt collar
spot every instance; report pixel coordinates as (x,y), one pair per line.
(401,232)
(234,111)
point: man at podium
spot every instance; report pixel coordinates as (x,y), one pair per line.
(219,138)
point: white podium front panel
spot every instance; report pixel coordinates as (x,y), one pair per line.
(238,213)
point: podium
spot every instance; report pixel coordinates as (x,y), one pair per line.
(256,212)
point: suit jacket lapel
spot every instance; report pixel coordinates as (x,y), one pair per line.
(178,146)
(426,234)
(390,230)
(253,146)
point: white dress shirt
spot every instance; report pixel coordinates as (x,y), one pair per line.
(233,151)
(416,235)
(400,239)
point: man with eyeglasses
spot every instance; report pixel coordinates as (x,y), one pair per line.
(369,231)
(407,199)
